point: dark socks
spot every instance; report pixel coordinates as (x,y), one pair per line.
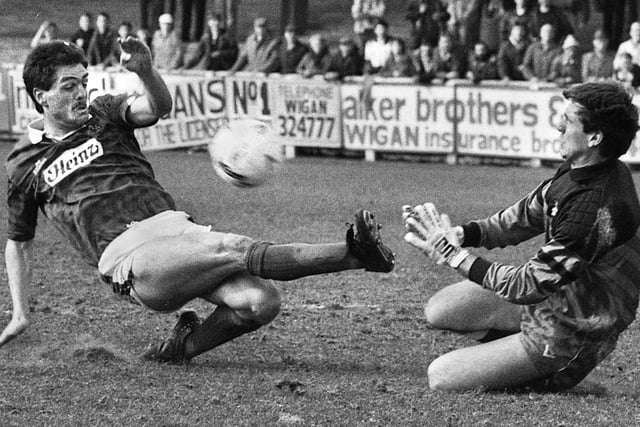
(223,325)
(292,261)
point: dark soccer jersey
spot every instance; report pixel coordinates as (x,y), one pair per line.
(585,279)
(91,184)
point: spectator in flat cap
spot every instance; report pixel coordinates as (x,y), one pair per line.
(260,51)
(566,68)
(597,65)
(166,45)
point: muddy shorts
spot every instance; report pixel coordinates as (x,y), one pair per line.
(562,358)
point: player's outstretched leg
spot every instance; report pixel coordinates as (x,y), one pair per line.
(363,249)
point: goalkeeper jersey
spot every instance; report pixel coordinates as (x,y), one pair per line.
(585,279)
(91,184)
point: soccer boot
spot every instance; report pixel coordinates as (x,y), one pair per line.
(364,243)
(171,350)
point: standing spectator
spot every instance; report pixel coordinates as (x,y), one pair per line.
(511,54)
(546,13)
(316,61)
(626,71)
(260,51)
(521,14)
(536,65)
(632,46)
(377,50)
(428,20)
(193,16)
(347,61)
(47,32)
(482,64)
(449,61)
(490,20)
(103,48)
(399,64)
(150,11)
(292,50)
(615,17)
(597,65)
(166,45)
(82,36)
(294,12)
(365,14)
(566,68)
(216,51)
(464,19)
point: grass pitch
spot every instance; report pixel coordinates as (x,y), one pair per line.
(348,348)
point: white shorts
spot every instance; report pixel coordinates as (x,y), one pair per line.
(116,260)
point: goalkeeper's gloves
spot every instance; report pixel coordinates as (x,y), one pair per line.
(434,235)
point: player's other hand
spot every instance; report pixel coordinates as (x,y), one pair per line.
(431,232)
(16,326)
(135,56)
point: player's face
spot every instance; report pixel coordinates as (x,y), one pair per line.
(574,142)
(66,102)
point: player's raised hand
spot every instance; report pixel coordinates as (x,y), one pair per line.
(16,326)
(135,56)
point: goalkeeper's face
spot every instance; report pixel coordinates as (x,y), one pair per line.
(576,146)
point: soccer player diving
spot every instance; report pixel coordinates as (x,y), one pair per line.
(547,323)
(81,166)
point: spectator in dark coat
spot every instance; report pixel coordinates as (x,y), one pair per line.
(482,64)
(521,14)
(82,36)
(103,48)
(347,61)
(449,60)
(546,13)
(260,51)
(399,63)
(216,51)
(566,68)
(597,65)
(316,61)
(511,54)
(536,65)
(625,71)
(423,60)
(292,50)
(428,20)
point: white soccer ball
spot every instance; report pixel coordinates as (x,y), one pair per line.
(245,152)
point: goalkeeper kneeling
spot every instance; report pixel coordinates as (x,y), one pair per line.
(549,322)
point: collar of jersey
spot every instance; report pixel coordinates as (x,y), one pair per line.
(35,131)
(588,172)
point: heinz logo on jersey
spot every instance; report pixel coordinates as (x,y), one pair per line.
(72,160)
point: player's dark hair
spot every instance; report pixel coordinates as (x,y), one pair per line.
(105,15)
(606,107)
(42,64)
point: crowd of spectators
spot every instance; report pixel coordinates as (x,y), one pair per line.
(477,40)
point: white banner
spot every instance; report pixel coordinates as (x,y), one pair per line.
(306,112)
(399,118)
(198,110)
(248,96)
(509,122)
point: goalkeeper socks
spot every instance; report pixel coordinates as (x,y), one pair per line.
(292,261)
(223,325)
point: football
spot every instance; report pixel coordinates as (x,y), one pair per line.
(245,152)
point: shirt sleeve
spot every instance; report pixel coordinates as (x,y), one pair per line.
(517,223)
(114,109)
(23,214)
